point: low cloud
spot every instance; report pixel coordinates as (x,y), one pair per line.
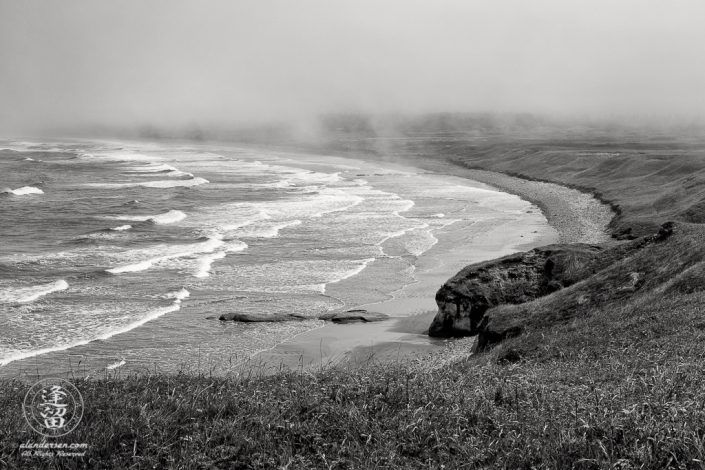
(80,64)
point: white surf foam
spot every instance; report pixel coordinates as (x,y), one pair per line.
(121,228)
(152,168)
(204,264)
(168,217)
(167,170)
(351,272)
(24,190)
(234,246)
(163,253)
(322,202)
(116,365)
(152,184)
(390,235)
(178,295)
(291,276)
(264,229)
(247,217)
(420,241)
(123,156)
(30,294)
(317,177)
(278,185)
(265,219)
(148,317)
(345,207)
(159,219)
(130,268)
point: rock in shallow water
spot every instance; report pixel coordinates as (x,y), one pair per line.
(351,316)
(260,317)
(354,316)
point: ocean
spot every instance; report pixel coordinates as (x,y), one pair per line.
(122,254)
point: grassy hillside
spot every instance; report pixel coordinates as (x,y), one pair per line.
(640,301)
(648,179)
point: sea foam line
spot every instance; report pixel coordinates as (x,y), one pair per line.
(261,215)
(23,191)
(178,295)
(204,263)
(159,219)
(116,365)
(266,232)
(336,192)
(183,293)
(211,245)
(151,184)
(350,273)
(30,294)
(214,243)
(166,170)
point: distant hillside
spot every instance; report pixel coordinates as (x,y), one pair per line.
(648,181)
(648,176)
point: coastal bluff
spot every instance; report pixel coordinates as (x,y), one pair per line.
(499,299)
(517,278)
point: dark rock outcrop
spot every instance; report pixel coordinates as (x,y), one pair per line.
(260,318)
(354,316)
(351,316)
(493,299)
(513,279)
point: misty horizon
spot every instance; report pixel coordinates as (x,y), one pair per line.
(79,66)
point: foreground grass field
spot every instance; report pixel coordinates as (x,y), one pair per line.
(606,373)
(631,403)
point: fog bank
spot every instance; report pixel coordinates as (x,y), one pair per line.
(80,64)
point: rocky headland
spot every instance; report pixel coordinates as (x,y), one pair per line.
(552,285)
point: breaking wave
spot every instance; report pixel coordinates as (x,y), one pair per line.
(164,169)
(159,219)
(30,294)
(24,190)
(152,184)
(163,253)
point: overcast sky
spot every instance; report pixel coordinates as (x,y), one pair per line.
(173,62)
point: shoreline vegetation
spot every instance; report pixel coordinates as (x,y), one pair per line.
(605,370)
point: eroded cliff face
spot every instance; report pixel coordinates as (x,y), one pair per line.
(514,279)
(493,299)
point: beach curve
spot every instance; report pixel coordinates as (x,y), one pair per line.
(576,217)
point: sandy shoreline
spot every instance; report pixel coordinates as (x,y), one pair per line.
(572,217)
(576,216)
